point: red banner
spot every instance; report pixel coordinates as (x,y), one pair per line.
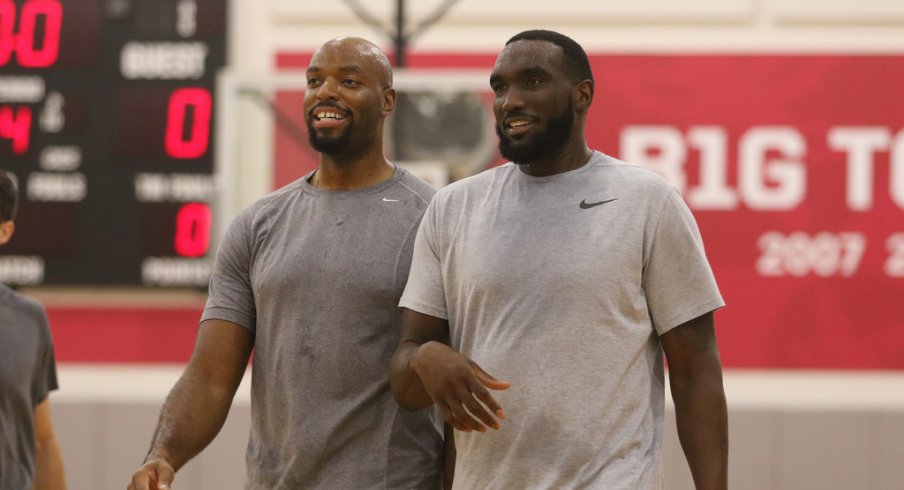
(794,168)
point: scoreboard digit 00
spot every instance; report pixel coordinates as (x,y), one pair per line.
(106,112)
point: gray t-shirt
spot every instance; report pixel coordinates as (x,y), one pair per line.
(27,375)
(562,285)
(316,275)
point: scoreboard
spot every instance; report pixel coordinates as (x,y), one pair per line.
(106,113)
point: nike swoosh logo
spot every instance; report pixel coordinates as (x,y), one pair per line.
(386,199)
(587,205)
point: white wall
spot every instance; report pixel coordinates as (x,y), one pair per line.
(622,25)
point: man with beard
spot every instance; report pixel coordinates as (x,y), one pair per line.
(566,273)
(309,277)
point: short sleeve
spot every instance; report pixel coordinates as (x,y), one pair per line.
(45,379)
(230,296)
(424,291)
(678,282)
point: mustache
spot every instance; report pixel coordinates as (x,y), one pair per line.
(516,113)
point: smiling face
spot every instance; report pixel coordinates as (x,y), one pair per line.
(348,96)
(533,103)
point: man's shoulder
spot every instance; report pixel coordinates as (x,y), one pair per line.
(479,182)
(21,303)
(629,176)
(277,196)
(418,187)
(270,202)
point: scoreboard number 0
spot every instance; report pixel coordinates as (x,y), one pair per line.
(188,142)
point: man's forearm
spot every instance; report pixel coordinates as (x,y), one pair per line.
(407,388)
(702,418)
(49,474)
(190,419)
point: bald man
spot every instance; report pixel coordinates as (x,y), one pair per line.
(309,278)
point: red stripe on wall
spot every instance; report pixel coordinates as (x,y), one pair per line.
(123,335)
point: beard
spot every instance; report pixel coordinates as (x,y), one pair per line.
(330,145)
(542,144)
(353,141)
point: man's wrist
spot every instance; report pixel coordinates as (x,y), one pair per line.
(159,454)
(415,357)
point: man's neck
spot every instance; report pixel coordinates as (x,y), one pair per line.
(571,157)
(347,175)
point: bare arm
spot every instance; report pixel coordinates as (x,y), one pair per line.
(198,404)
(426,371)
(49,474)
(695,377)
(417,330)
(449,456)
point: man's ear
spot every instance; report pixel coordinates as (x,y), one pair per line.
(583,94)
(389,101)
(6,231)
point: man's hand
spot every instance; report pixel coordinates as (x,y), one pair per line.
(457,386)
(154,474)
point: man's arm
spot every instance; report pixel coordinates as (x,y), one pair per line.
(49,473)
(695,377)
(198,404)
(426,371)
(449,456)
(417,330)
